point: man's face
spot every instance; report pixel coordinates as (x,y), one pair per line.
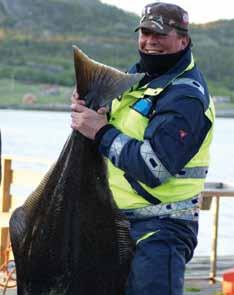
(153,43)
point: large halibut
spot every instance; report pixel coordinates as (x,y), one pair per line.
(69,237)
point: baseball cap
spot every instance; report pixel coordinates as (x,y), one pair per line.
(162,17)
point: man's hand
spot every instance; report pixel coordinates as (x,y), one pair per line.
(86,121)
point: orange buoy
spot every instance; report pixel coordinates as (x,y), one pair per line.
(228,282)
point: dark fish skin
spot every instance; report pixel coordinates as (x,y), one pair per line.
(69,237)
(70,243)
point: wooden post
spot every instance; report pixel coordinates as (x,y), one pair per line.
(213,256)
(5,201)
(5,204)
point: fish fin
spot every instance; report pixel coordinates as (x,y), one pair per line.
(99,83)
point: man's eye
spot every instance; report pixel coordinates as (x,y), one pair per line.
(162,36)
(146,32)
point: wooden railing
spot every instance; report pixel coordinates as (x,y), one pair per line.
(213,191)
(9,202)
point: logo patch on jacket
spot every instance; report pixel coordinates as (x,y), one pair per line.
(182,134)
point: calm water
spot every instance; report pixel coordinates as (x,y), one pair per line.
(42,135)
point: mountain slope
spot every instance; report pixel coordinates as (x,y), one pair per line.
(36,38)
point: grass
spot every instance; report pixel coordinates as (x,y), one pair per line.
(13,92)
(196,290)
(192,289)
(224,106)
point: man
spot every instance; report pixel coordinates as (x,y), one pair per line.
(157,142)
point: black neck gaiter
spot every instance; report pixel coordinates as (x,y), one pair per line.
(158,64)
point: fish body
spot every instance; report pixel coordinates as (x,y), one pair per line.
(69,238)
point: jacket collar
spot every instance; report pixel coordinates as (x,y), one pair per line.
(184,64)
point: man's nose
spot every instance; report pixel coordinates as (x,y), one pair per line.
(152,38)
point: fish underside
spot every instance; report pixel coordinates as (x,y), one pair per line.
(69,237)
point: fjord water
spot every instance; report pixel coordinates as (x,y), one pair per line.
(41,136)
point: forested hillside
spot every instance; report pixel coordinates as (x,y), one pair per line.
(36,38)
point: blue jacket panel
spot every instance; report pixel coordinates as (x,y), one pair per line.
(176,129)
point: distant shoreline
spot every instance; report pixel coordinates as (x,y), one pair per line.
(220,113)
(37,107)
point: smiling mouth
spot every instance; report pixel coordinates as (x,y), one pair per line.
(153,51)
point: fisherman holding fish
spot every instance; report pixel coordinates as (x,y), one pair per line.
(156,139)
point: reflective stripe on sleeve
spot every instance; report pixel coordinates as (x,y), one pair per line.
(117,146)
(189,82)
(153,163)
